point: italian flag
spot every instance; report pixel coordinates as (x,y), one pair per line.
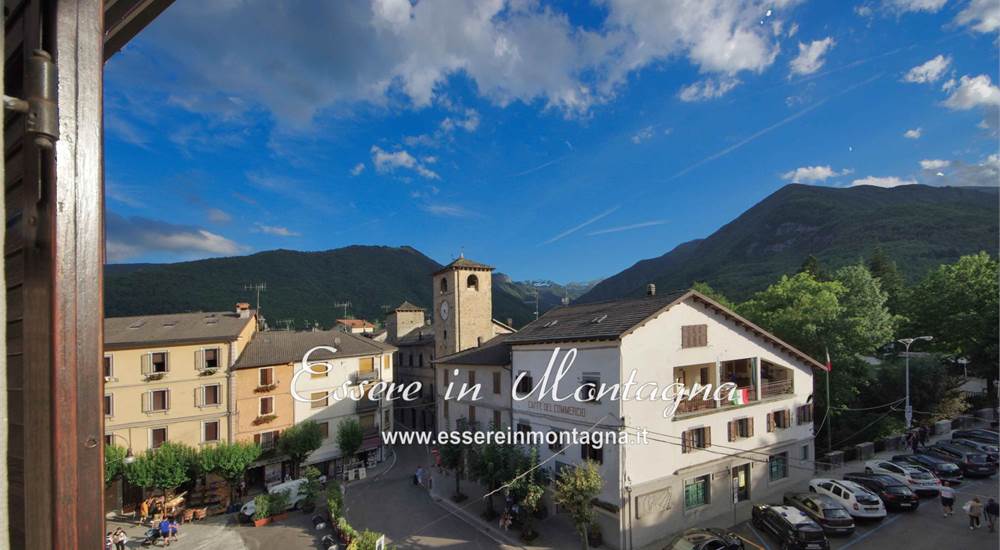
(829,364)
(741,396)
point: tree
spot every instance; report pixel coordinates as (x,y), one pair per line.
(889,278)
(865,322)
(298,441)
(707,290)
(527,489)
(452,454)
(349,438)
(229,461)
(310,489)
(114,463)
(811,266)
(493,464)
(164,469)
(576,488)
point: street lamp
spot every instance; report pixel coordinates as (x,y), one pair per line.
(908,413)
(129,457)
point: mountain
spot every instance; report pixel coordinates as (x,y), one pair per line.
(302,286)
(918,226)
(550,294)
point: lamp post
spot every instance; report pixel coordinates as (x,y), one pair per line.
(129,457)
(908,413)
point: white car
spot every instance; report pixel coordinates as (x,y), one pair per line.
(919,480)
(859,502)
(292,488)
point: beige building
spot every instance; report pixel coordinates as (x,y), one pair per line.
(355,326)
(489,367)
(406,329)
(167,377)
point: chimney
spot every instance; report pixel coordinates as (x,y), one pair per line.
(243,310)
(650,289)
(510,322)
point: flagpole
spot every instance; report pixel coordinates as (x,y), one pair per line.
(829,421)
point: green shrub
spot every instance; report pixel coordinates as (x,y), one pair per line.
(279,502)
(262,505)
(334,501)
(365,540)
(346,531)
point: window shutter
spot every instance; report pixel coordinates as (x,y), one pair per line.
(732,430)
(167,399)
(146,398)
(199,359)
(750,427)
(256,438)
(147,363)
(708,436)
(770,422)
(685,442)
(199,396)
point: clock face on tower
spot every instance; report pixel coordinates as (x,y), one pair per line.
(444,311)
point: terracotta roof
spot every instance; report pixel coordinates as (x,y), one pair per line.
(421,336)
(463,263)
(278,347)
(355,323)
(493,352)
(217,326)
(407,306)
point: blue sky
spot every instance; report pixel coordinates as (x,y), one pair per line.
(559,140)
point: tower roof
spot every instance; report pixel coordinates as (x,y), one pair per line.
(463,263)
(407,306)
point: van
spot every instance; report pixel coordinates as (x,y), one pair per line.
(294,496)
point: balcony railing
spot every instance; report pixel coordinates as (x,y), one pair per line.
(775,388)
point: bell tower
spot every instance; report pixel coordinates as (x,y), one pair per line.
(463,306)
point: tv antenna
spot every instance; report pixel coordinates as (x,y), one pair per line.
(344,305)
(258,288)
(288,324)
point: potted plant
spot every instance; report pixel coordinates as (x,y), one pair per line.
(594,537)
(279,505)
(262,510)
(310,489)
(346,532)
(334,502)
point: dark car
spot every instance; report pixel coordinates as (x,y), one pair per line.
(985,436)
(894,494)
(971,462)
(991,450)
(705,539)
(946,470)
(790,526)
(824,510)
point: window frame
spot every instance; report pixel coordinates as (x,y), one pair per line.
(260,405)
(315,403)
(203,402)
(109,405)
(777,463)
(218,431)
(705,482)
(260,372)
(152,439)
(108,367)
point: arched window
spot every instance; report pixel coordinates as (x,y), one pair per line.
(472,282)
(444,284)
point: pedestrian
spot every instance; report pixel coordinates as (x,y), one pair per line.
(174,527)
(119,538)
(144,511)
(165,530)
(107,541)
(924,434)
(947,499)
(418,477)
(975,509)
(992,511)
(914,442)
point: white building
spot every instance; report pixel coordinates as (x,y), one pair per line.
(705,463)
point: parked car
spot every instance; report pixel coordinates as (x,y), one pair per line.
(705,539)
(972,463)
(894,494)
(945,470)
(790,526)
(824,510)
(977,434)
(991,450)
(858,501)
(295,497)
(920,480)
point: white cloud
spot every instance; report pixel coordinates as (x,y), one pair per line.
(276,230)
(388,162)
(903,6)
(136,236)
(469,122)
(358,169)
(863,10)
(710,88)
(949,85)
(813,174)
(793,30)
(511,51)
(448,210)
(913,133)
(930,71)
(981,15)
(977,91)
(811,56)
(216,215)
(888,181)
(642,135)
(934,164)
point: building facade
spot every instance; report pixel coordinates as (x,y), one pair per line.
(489,366)
(704,462)
(168,377)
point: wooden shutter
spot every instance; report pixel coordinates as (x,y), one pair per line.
(732,430)
(167,400)
(256,438)
(770,422)
(750,427)
(199,359)
(147,363)
(472,378)
(147,399)
(166,361)
(708,436)
(199,396)
(685,442)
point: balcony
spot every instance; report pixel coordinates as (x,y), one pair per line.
(775,388)
(772,382)
(365,404)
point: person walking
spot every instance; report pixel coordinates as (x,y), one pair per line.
(174,528)
(144,511)
(165,530)
(992,511)
(418,477)
(914,442)
(975,509)
(947,500)
(120,539)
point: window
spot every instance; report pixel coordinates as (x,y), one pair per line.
(367,421)
(318,371)
(497,424)
(366,365)
(207,358)
(525,384)
(472,415)
(778,420)
(266,377)
(410,359)
(804,455)
(157,437)
(777,466)
(266,440)
(556,444)
(443,285)
(211,395)
(324,429)
(154,363)
(472,282)
(109,405)
(385,362)
(496,383)
(109,366)
(472,378)
(156,401)
(694,336)
(445,409)
(523,427)
(318,399)
(588,386)
(109,439)
(804,414)
(210,431)
(741,428)
(589,452)
(266,406)
(420,360)
(697,438)
(696,492)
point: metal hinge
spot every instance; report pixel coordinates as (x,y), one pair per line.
(40,106)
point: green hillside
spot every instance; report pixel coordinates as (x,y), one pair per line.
(301,286)
(918,226)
